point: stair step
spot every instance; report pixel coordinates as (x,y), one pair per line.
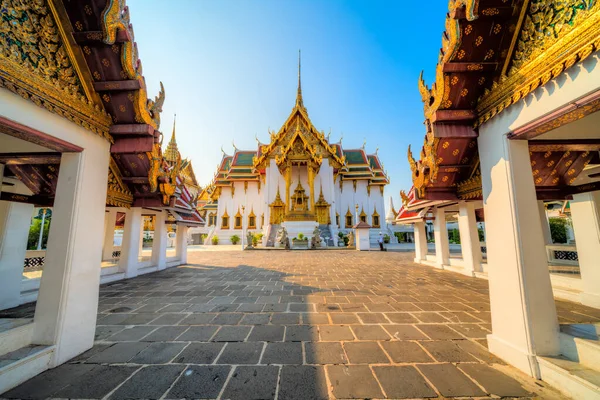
(20,365)
(579,343)
(570,377)
(15,333)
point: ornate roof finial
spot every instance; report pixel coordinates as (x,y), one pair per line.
(256,138)
(234,148)
(364,144)
(172,152)
(299,102)
(377,150)
(222,151)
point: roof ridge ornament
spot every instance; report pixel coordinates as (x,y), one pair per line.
(299,102)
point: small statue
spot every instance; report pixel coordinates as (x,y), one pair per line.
(250,239)
(316,240)
(351,239)
(281,239)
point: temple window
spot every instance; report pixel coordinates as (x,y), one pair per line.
(363,218)
(252,222)
(337,219)
(225,222)
(375,221)
(238,223)
(348,221)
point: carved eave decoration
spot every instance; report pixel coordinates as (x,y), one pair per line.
(470,189)
(36,63)
(554,36)
(114,18)
(118,194)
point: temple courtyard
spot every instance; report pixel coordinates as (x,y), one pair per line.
(293,325)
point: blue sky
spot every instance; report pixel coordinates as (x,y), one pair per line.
(230,72)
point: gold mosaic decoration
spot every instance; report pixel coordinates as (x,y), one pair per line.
(34,63)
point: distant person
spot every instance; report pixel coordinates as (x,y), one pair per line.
(380,241)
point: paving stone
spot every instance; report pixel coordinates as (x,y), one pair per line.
(440,332)
(403,382)
(197,319)
(282,353)
(275,307)
(300,382)
(370,332)
(199,353)
(165,333)
(201,308)
(429,317)
(255,319)
(335,333)
(241,353)
(47,383)
(133,333)
(344,318)
(118,353)
(250,308)
(315,319)
(232,334)
(150,308)
(245,299)
(227,319)
(201,333)
(158,353)
(471,330)
(325,353)
(168,319)
(459,317)
(373,318)
(98,347)
(267,333)
(222,308)
(104,332)
(365,353)
(302,307)
(285,318)
(301,333)
(449,381)
(494,381)
(353,382)
(401,318)
(405,352)
(149,383)
(447,351)
(96,383)
(203,382)
(479,351)
(249,383)
(405,332)
(139,319)
(174,308)
(404,307)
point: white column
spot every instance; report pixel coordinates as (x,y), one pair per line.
(181,244)
(420,241)
(469,238)
(524,321)
(440,233)
(65,314)
(15,219)
(130,246)
(545,222)
(159,244)
(586,223)
(110,220)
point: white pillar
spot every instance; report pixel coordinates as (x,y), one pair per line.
(440,233)
(420,241)
(545,223)
(130,247)
(586,223)
(181,244)
(15,219)
(524,321)
(65,314)
(110,220)
(159,244)
(469,238)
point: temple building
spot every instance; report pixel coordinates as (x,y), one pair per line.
(79,136)
(300,181)
(511,129)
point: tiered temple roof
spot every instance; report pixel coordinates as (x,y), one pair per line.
(488,61)
(81,62)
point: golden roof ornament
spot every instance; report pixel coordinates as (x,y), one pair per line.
(172,151)
(299,102)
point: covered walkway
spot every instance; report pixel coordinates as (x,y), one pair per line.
(332,324)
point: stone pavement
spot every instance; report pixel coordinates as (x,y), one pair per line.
(293,325)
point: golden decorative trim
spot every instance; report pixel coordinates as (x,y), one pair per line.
(35,64)
(576,42)
(118,194)
(470,189)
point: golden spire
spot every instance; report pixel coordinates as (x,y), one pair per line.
(299,102)
(172,152)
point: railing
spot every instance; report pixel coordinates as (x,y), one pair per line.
(34,259)
(564,254)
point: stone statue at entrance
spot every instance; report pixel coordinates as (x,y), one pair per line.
(316,240)
(250,239)
(351,239)
(281,239)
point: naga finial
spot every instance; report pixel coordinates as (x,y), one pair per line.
(233,144)
(364,145)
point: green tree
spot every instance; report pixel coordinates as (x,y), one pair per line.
(235,239)
(454,236)
(558,230)
(34,233)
